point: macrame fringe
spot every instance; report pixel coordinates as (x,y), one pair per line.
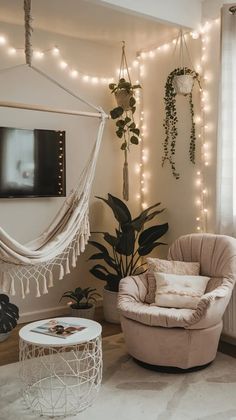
(61,275)
(12,290)
(27,288)
(67,266)
(45,289)
(38,294)
(50,279)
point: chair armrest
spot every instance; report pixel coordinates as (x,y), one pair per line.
(211,307)
(133,289)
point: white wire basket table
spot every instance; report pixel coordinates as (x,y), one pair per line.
(61,377)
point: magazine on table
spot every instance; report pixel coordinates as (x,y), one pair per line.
(59,329)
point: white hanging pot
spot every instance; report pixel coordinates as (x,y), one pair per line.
(183,84)
(123,98)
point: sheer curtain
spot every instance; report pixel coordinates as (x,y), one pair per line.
(226,174)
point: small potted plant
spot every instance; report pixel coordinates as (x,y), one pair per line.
(83,302)
(126,247)
(9,314)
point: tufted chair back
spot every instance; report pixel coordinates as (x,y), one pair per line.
(216,254)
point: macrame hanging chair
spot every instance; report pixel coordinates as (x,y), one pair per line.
(57,249)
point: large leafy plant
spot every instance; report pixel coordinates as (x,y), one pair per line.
(131,242)
(9,314)
(82,298)
(171,119)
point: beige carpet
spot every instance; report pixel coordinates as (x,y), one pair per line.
(130,392)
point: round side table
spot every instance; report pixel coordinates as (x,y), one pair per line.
(61,376)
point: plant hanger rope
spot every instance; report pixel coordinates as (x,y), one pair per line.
(28,32)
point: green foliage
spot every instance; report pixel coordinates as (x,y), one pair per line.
(83,298)
(171,120)
(9,314)
(131,241)
(125,126)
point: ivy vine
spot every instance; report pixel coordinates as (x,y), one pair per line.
(171,120)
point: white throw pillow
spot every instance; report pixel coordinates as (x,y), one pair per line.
(179,291)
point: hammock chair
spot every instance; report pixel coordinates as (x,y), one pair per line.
(66,237)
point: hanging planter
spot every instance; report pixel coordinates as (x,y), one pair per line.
(183,84)
(126,130)
(179,82)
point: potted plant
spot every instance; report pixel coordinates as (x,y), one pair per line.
(179,81)
(126,247)
(123,113)
(83,302)
(9,314)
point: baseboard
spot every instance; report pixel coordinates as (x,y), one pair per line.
(228,339)
(44,313)
(48,313)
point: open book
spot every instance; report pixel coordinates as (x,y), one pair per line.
(57,328)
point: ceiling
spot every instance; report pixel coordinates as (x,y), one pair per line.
(87,20)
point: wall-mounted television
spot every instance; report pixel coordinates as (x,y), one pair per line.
(32,163)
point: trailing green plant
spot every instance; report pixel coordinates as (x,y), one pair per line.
(126,247)
(126,128)
(9,314)
(171,119)
(82,298)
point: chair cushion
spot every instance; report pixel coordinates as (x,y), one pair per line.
(166,266)
(178,291)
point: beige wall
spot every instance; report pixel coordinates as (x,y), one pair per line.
(177,196)
(24,219)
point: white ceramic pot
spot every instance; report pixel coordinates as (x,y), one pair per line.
(87,313)
(4,336)
(183,84)
(110,310)
(123,98)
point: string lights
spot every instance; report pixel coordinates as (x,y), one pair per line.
(202,121)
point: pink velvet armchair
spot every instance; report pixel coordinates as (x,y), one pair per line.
(181,338)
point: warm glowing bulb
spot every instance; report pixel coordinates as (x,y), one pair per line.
(11,51)
(63,64)
(2,40)
(194,34)
(204,191)
(94,80)
(74,73)
(198,228)
(38,54)
(197,219)
(85,78)
(55,51)
(205,210)
(151,54)
(198,173)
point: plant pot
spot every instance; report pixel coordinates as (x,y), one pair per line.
(111,313)
(87,313)
(183,84)
(123,98)
(4,336)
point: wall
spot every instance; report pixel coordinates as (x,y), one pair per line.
(177,196)
(24,219)
(178,12)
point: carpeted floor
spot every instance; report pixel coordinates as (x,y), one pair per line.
(130,392)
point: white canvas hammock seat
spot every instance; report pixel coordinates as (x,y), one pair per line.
(57,249)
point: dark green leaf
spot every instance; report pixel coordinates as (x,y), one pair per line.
(99,246)
(112,86)
(126,243)
(146,249)
(132,101)
(119,208)
(152,234)
(119,133)
(134,140)
(135,131)
(120,123)
(116,112)
(124,146)
(111,240)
